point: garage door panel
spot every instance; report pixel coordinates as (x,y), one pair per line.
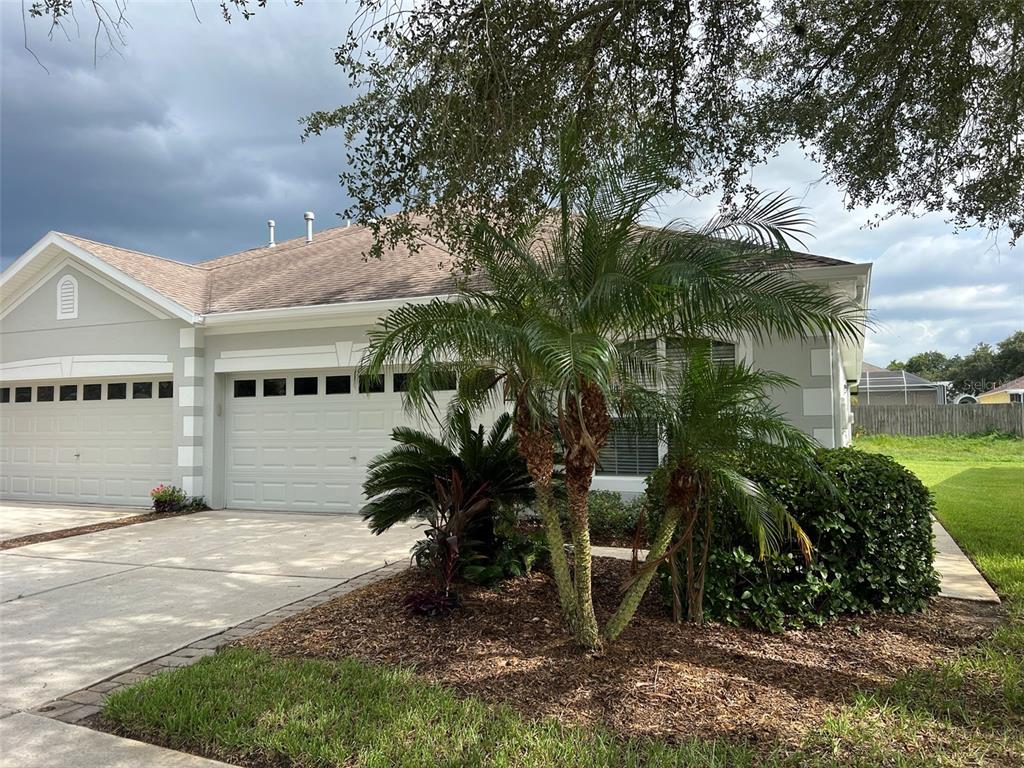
(338,421)
(111,451)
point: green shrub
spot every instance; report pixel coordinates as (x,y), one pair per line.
(872,538)
(611,517)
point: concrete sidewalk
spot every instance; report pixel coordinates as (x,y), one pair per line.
(31,741)
(960,579)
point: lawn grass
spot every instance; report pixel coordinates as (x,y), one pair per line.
(301,712)
(969,711)
(242,705)
(978,483)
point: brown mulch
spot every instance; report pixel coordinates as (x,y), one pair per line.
(659,680)
(64,533)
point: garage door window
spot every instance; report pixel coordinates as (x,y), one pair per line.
(275,387)
(338,385)
(23,394)
(142,390)
(307,385)
(68,392)
(370,384)
(245,388)
(5,394)
(117,391)
(165,389)
(95,391)
(44,394)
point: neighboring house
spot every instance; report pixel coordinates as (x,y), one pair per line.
(880,386)
(235,378)
(1010,392)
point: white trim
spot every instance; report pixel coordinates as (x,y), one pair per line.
(72,312)
(192,426)
(342,354)
(618,483)
(97,264)
(81,366)
(192,485)
(825,437)
(328,349)
(817,401)
(190,456)
(190,396)
(73,263)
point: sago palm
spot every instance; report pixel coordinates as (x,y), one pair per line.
(717,419)
(401,483)
(555,322)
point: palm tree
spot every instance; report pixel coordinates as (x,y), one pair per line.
(553,325)
(717,420)
(401,483)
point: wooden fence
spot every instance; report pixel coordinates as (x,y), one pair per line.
(939,419)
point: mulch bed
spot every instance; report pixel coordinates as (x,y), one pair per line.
(64,533)
(659,680)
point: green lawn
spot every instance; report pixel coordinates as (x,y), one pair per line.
(324,713)
(309,713)
(978,484)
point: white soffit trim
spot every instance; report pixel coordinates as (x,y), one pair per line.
(81,366)
(100,266)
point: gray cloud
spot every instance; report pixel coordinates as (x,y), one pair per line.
(190,142)
(186,145)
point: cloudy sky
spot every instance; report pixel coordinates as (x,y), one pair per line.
(187,143)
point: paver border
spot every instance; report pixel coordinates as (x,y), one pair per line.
(78,705)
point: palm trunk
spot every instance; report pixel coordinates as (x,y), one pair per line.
(697,574)
(537,448)
(585,426)
(631,600)
(579,521)
(696,588)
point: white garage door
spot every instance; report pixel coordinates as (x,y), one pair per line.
(302,441)
(105,442)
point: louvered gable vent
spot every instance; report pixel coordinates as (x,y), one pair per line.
(67,298)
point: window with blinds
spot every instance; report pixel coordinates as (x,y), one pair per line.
(722,353)
(628,452)
(67,298)
(635,454)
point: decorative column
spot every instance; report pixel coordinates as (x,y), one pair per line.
(188,411)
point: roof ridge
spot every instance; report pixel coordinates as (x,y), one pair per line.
(136,252)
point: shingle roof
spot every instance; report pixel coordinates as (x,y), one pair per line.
(1017,383)
(180,282)
(332,269)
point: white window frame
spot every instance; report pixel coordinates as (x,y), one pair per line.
(72,314)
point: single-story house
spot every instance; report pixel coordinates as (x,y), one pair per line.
(1010,392)
(881,386)
(235,378)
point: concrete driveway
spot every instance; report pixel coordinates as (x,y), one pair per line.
(25,519)
(77,610)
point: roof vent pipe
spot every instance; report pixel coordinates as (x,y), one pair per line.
(270,225)
(309,226)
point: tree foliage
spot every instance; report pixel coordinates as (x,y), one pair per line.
(980,370)
(914,105)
